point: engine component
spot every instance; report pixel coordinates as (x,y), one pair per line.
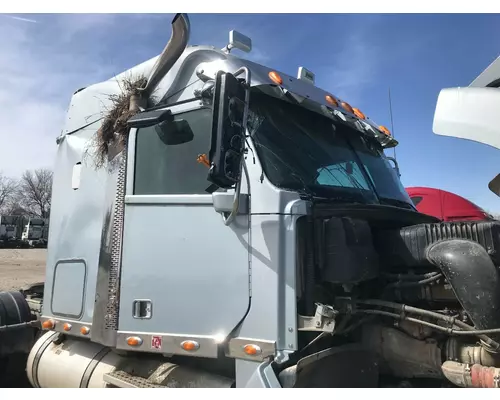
(406,247)
(436,292)
(337,367)
(401,355)
(451,321)
(58,362)
(457,351)
(349,253)
(473,277)
(475,376)
(405,357)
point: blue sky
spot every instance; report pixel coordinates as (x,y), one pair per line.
(357,57)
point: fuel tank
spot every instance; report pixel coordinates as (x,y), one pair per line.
(56,361)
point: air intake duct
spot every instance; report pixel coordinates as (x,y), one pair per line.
(474,279)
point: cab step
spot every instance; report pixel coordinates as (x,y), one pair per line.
(122,379)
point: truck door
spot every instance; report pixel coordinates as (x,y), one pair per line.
(184,272)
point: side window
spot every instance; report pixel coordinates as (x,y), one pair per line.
(346,174)
(173,169)
(416,200)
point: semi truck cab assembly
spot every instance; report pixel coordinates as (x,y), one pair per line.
(246,230)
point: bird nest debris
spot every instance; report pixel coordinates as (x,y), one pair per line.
(113,133)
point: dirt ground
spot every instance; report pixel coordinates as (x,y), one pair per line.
(21,267)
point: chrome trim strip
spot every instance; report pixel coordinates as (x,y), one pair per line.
(169,199)
(75,326)
(235,349)
(208,346)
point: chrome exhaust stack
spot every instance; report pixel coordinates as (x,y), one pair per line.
(181,30)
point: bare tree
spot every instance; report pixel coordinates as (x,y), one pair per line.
(35,192)
(8,187)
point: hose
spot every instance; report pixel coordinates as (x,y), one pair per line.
(411,277)
(416,283)
(468,330)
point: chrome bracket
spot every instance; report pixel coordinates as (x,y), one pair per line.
(322,321)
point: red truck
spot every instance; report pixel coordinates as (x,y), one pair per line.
(445,205)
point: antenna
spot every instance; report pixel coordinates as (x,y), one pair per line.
(392,121)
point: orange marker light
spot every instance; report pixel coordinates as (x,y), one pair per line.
(252,349)
(134,341)
(67,327)
(49,324)
(203,159)
(190,345)
(384,130)
(84,330)
(347,107)
(358,113)
(331,100)
(274,76)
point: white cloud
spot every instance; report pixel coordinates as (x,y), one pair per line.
(20,19)
(41,66)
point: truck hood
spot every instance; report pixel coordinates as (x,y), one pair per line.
(472,112)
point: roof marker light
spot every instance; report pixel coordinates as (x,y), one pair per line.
(274,76)
(358,113)
(347,107)
(67,327)
(384,130)
(331,100)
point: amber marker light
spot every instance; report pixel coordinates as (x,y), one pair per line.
(275,77)
(84,330)
(252,349)
(49,324)
(190,345)
(347,107)
(134,341)
(384,130)
(358,113)
(331,100)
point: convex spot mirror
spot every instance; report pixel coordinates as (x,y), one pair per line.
(174,132)
(170,130)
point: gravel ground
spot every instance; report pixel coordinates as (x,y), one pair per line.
(21,267)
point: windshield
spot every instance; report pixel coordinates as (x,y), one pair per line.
(303,151)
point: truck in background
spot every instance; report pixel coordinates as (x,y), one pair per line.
(446,206)
(8,229)
(35,232)
(21,231)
